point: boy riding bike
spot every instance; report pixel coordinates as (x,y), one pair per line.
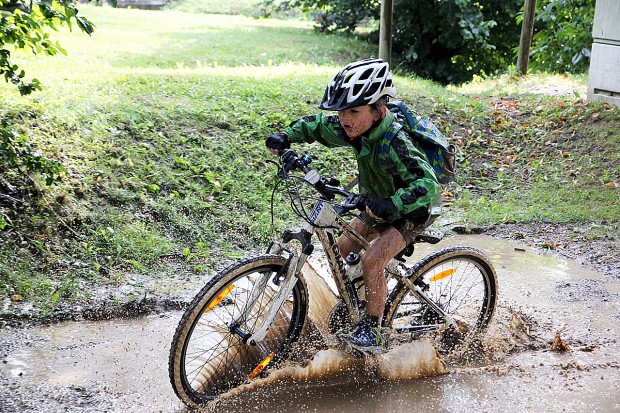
(400,190)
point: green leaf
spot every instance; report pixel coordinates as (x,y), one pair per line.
(84,24)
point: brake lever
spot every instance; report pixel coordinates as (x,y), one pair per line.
(288,158)
(355,201)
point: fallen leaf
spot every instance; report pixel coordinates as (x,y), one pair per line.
(558,344)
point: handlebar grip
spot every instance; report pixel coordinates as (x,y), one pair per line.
(290,161)
(355,201)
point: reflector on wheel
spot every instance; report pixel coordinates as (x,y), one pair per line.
(219,298)
(443,274)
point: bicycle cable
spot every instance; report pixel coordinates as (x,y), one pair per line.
(295,198)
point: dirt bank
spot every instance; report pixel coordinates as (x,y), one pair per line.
(600,253)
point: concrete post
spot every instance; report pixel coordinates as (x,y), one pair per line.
(604,80)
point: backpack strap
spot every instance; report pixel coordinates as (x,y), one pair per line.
(386,141)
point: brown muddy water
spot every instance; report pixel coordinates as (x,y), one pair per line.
(546,305)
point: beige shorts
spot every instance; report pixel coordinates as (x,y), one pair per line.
(408,229)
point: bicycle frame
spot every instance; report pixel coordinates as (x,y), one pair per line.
(325,222)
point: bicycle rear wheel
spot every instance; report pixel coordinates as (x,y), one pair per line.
(206,357)
(460,281)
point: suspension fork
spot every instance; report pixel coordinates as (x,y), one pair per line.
(286,282)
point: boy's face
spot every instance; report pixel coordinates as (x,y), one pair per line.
(356,121)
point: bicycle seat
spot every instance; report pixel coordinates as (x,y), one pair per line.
(406,252)
(429,235)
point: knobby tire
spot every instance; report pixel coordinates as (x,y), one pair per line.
(206,357)
(461,280)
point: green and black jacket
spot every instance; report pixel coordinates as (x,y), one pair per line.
(406,177)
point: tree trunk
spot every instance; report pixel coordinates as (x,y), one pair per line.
(527,31)
(385,31)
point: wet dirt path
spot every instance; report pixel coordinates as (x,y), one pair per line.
(121,365)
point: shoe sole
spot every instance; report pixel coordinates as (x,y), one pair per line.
(360,352)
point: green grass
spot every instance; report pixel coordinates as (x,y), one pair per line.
(538,156)
(160,119)
(236,7)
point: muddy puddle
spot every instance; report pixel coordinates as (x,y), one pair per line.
(553,346)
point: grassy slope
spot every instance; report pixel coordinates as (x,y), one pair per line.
(540,157)
(160,119)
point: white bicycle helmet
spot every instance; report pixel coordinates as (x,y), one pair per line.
(358,84)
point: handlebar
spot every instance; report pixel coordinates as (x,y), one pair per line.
(328,188)
(291,161)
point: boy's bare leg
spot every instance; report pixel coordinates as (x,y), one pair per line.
(345,245)
(374,260)
(389,243)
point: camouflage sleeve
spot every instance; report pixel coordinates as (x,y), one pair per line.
(421,186)
(321,128)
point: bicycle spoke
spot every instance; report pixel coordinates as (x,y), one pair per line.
(208,357)
(458,280)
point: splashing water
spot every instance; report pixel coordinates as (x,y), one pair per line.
(121,365)
(403,362)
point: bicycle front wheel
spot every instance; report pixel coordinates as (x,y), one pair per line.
(208,357)
(461,282)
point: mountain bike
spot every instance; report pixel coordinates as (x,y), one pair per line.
(245,320)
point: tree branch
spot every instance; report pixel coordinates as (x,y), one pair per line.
(11,7)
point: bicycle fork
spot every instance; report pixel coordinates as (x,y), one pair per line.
(293,268)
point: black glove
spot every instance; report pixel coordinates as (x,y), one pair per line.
(384,208)
(278,141)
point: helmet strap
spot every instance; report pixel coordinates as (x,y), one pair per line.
(381,110)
